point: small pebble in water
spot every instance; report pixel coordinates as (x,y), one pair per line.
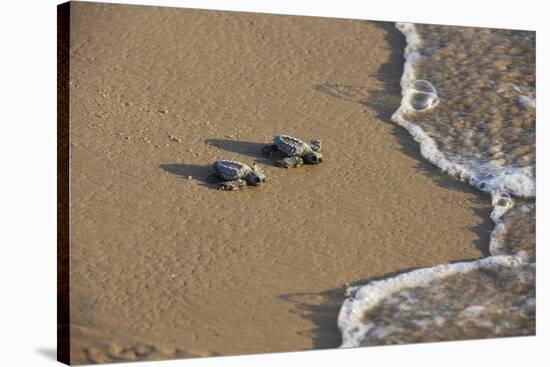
(526,101)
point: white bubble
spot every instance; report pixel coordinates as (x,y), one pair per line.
(422,95)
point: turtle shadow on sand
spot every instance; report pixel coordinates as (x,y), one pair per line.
(248,148)
(198,172)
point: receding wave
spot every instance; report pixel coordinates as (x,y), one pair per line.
(468,99)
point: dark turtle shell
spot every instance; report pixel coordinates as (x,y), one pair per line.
(291,146)
(231,170)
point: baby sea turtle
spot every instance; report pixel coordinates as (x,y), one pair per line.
(234,175)
(295,151)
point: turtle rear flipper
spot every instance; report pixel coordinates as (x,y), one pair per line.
(290,162)
(233,185)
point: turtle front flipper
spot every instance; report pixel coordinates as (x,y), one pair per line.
(268,150)
(290,162)
(233,185)
(315,145)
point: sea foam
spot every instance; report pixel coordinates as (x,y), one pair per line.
(350,318)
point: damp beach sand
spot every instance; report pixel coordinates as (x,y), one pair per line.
(163,265)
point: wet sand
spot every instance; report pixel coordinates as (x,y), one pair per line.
(163,265)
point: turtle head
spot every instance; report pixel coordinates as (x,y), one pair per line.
(313,158)
(256,177)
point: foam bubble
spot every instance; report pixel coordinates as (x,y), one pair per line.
(421,95)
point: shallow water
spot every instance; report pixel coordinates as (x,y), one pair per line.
(449,302)
(469,100)
(452,309)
